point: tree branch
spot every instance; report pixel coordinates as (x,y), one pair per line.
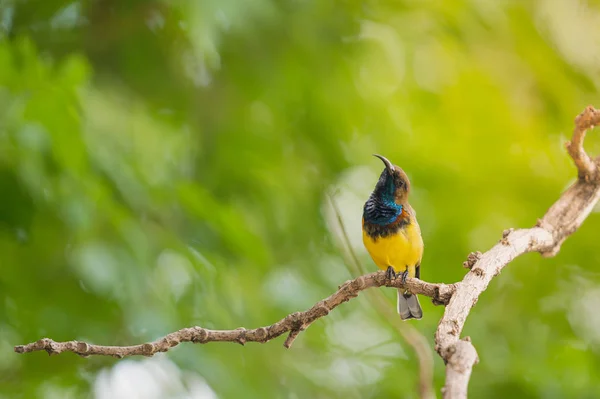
(588,169)
(293,323)
(561,220)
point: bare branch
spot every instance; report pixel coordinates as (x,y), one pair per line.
(458,369)
(561,220)
(293,323)
(587,168)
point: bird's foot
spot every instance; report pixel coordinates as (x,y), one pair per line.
(390,273)
(404,275)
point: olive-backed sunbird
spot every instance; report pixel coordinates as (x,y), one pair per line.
(392,235)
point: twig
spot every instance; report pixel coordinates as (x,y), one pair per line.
(587,168)
(410,334)
(293,323)
(347,244)
(561,220)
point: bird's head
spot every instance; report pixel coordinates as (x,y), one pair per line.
(393,184)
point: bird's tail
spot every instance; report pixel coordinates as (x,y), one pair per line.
(409,306)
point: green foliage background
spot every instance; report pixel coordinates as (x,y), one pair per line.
(167,164)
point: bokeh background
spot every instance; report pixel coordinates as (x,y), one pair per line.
(168,164)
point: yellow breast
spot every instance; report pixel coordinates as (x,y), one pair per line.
(401,250)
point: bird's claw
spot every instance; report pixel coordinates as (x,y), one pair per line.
(390,273)
(404,275)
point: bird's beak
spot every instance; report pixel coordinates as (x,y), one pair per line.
(388,164)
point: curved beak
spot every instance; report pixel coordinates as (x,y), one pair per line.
(388,164)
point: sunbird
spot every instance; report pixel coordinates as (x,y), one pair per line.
(392,235)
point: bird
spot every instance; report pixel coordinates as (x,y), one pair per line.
(391,234)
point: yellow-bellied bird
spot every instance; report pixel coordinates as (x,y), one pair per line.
(392,235)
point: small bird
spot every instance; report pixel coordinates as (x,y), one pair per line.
(392,235)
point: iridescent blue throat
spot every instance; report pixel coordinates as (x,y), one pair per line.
(381,208)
